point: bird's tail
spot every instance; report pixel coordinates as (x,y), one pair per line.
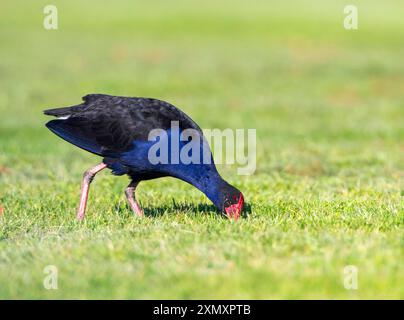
(64,111)
(58,112)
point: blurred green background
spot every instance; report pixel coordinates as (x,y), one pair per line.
(327,104)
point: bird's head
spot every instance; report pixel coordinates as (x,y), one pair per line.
(232,202)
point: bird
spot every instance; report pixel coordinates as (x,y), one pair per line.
(118,129)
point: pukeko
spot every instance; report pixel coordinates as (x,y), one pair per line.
(118,129)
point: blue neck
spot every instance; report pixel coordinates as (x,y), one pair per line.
(204,177)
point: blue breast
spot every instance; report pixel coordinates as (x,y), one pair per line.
(190,161)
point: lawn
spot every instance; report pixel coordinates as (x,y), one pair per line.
(328,107)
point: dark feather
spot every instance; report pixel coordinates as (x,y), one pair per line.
(106,124)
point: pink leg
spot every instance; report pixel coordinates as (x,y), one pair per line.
(85,185)
(129,192)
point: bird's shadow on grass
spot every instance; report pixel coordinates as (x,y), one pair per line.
(198,209)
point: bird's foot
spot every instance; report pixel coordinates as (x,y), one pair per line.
(130,196)
(85,186)
(137,210)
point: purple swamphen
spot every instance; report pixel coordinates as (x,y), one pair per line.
(119,129)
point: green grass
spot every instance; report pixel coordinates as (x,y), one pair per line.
(328,191)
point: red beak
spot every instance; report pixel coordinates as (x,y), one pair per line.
(234,211)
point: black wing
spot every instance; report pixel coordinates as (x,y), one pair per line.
(107,125)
